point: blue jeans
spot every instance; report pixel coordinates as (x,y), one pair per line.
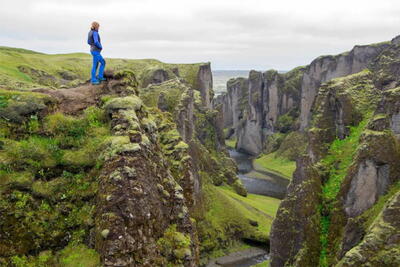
(97,58)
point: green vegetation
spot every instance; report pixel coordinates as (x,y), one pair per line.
(262,264)
(278,165)
(229,214)
(71,256)
(175,244)
(372,213)
(48,183)
(337,163)
(25,69)
(285,123)
(268,205)
(230,143)
(292,146)
(339,159)
(171,91)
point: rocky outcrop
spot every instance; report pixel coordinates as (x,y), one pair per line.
(295,231)
(380,246)
(326,68)
(205,84)
(96,178)
(135,174)
(341,103)
(287,99)
(233,102)
(259,106)
(155,76)
(359,172)
(248,132)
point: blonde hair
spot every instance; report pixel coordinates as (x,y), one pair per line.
(95,25)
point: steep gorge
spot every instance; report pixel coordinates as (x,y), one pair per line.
(127,173)
(340,205)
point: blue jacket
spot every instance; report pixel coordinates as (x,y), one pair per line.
(94,41)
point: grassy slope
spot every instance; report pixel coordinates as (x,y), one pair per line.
(229,212)
(262,264)
(78,64)
(272,163)
(344,150)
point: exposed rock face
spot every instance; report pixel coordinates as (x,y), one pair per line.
(249,132)
(380,246)
(326,68)
(370,182)
(135,175)
(185,116)
(291,95)
(205,84)
(338,106)
(155,76)
(233,102)
(295,231)
(350,201)
(252,107)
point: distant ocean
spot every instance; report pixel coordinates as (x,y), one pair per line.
(220,77)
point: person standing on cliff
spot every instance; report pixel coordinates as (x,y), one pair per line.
(95,50)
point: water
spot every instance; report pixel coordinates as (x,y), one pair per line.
(257,182)
(249,262)
(243,258)
(220,77)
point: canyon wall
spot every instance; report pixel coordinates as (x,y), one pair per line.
(353,151)
(270,102)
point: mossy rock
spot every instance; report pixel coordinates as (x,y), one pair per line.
(239,188)
(129,102)
(80,255)
(17,107)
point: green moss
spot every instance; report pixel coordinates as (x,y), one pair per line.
(175,243)
(339,159)
(230,143)
(239,188)
(117,144)
(34,153)
(372,213)
(272,163)
(181,145)
(78,256)
(292,146)
(285,123)
(172,91)
(325,223)
(262,264)
(337,162)
(16,179)
(17,107)
(129,102)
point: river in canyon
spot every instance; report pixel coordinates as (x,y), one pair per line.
(260,182)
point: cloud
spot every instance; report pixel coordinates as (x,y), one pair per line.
(231,34)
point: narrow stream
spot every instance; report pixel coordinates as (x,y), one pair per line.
(260,183)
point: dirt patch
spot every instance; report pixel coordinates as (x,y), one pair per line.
(73,100)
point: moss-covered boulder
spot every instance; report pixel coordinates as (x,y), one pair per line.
(18,107)
(295,231)
(381,243)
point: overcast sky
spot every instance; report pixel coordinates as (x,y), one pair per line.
(245,34)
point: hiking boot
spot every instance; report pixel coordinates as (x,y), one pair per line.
(96,82)
(102,79)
